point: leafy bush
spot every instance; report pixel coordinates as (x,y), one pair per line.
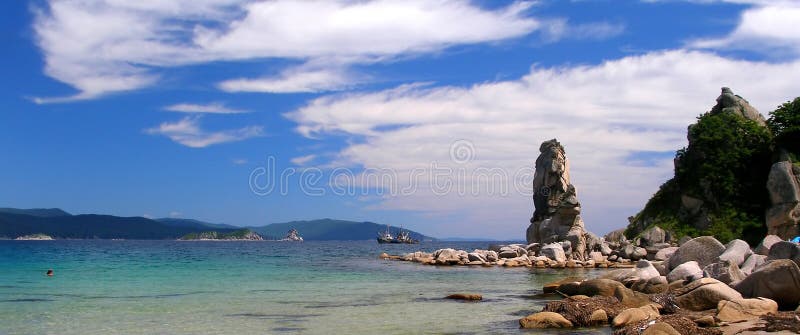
(785,125)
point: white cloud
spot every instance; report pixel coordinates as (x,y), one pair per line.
(604,114)
(303,160)
(175,214)
(187,132)
(769,29)
(213,108)
(240,161)
(294,80)
(105,46)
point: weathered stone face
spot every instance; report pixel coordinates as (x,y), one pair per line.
(557,211)
(727,102)
(784,192)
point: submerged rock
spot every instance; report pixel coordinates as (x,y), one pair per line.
(545,320)
(465,296)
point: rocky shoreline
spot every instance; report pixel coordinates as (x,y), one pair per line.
(698,286)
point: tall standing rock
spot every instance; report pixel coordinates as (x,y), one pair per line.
(784,192)
(557,210)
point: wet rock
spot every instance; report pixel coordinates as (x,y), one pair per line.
(736,252)
(704,250)
(552,287)
(602,287)
(778,280)
(545,320)
(584,311)
(704,294)
(465,296)
(745,309)
(660,328)
(598,317)
(706,321)
(633,315)
(689,271)
(724,271)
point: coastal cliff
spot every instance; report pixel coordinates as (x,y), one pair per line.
(731,181)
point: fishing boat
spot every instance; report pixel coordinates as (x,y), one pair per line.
(402,237)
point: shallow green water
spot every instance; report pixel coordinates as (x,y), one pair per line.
(167,287)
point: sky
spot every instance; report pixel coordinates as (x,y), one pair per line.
(422,114)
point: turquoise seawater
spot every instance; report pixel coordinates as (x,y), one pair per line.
(170,287)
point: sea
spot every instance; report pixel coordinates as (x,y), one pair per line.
(259,287)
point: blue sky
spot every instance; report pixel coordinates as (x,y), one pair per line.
(156,108)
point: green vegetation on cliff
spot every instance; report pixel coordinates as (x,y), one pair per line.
(719,187)
(241,234)
(785,125)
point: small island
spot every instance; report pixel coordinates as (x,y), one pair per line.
(35,237)
(292,236)
(238,235)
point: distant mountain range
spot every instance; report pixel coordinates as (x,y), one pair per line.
(59,224)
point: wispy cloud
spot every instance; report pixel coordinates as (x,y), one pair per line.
(213,108)
(294,80)
(769,29)
(303,160)
(105,46)
(240,161)
(187,132)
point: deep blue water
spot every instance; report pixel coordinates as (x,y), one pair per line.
(170,287)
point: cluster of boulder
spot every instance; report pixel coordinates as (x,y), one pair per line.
(692,289)
(611,251)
